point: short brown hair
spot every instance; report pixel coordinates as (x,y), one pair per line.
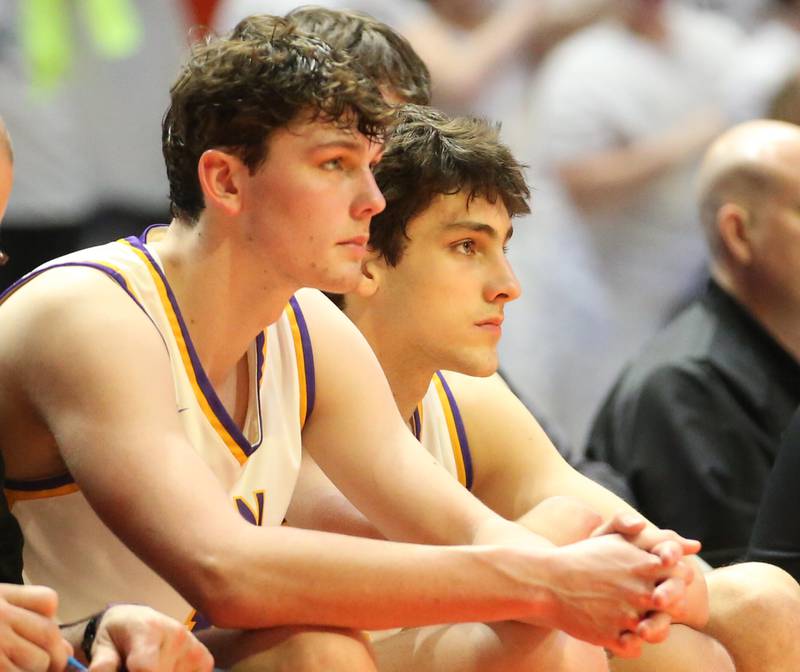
(235,90)
(429,154)
(383,55)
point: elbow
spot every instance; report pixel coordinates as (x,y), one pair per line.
(216,589)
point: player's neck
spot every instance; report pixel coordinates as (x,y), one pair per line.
(405,365)
(224,302)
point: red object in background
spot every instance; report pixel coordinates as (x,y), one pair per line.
(201,11)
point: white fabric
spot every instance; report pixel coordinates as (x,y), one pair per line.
(437,437)
(597,285)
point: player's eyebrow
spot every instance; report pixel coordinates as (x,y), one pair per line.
(478,227)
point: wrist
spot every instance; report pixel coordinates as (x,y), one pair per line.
(81,634)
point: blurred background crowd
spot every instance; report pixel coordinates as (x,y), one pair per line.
(610,102)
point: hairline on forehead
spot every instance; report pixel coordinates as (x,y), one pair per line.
(462,222)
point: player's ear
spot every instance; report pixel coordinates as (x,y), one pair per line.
(220,174)
(372,269)
(734,225)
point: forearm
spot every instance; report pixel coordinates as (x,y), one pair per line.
(617,173)
(367,584)
(612,175)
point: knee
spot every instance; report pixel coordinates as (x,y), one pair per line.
(334,651)
(717,658)
(755,592)
(532,649)
(583,657)
(319,651)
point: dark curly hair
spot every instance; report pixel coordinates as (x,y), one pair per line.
(429,154)
(383,55)
(235,90)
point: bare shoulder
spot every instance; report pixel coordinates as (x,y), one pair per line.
(507,444)
(65,302)
(333,334)
(482,399)
(72,344)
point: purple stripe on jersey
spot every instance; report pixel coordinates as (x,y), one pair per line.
(308,357)
(260,359)
(462,435)
(417,424)
(116,276)
(202,379)
(40,483)
(144,234)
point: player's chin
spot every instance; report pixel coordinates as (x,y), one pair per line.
(344,281)
(480,365)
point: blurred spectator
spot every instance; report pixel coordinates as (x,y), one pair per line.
(86,132)
(480,53)
(622,111)
(695,422)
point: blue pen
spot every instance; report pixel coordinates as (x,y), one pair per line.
(75,665)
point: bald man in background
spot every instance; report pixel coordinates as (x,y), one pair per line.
(695,421)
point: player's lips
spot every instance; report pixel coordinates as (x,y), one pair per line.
(491,324)
(356,241)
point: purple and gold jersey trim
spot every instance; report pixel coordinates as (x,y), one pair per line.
(455,427)
(305,359)
(39,488)
(206,397)
(106,268)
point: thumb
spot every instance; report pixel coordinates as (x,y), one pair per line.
(105,658)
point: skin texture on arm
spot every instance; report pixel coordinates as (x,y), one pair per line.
(517,469)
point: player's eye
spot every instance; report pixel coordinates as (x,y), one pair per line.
(466,246)
(333,164)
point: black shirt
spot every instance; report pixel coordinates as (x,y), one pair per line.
(695,421)
(10,540)
(776,535)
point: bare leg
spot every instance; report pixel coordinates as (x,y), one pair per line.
(480,647)
(755,613)
(286,649)
(685,650)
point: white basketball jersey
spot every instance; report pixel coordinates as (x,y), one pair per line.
(438,425)
(68,548)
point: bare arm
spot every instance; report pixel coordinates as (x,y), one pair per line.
(317,504)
